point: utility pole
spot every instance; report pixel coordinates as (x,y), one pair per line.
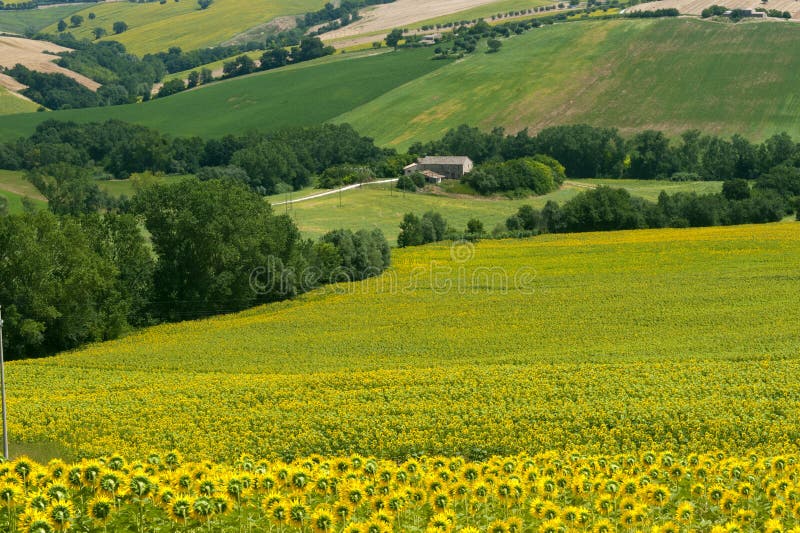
(3,388)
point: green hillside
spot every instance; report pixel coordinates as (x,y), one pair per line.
(663,74)
(632,74)
(309,93)
(154,27)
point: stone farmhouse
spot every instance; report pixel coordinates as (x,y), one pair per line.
(437,168)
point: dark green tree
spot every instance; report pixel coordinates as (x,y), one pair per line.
(394,38)
(737,189)
(219,248)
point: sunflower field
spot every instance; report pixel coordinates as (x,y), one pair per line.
(548,492)
(503,385)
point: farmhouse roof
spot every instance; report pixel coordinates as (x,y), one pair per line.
(432,174)
(444,160)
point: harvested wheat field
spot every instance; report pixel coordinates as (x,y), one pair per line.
(38,56)
(694,7)
(402,13)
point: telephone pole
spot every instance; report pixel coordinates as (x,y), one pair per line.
(3,388)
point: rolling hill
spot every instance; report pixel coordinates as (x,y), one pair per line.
(605,342)
(664,74)
(633,74)
(308,93)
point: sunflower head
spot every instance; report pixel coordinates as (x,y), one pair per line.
(180,508)
(322,520)
(60,514)
(100,508)
(35,521)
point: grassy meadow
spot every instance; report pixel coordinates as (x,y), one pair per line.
(383,206)
(11,104)
(603,342)
(14,187)
(154,27)
(20,21)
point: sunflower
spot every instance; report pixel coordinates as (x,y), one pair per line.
(552,526)
(604,504)
(773,526)
(298,513)
(100,508)
(376,526)
(180,509)
(140,486)
(658,495)
(91,473)
(34,521)
(728,500)
(75,477)
(278,512)
(715,493)
(322,520)
(668,527)
(342,511)
(60,514)
(9,493)
(202,508)
(222,504)
(515,524)
(110,482)
(439,500)
(498,526)
(745,516)
(777,509)
(603,525)
(38,501)
(684,513)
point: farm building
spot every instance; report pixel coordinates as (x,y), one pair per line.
(449,167)
(432,177)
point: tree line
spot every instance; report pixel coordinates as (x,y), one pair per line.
(611,209)
(596,152)
(211,247)
(68,158)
